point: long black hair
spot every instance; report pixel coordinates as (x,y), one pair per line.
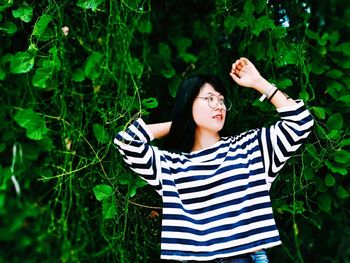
(182,130)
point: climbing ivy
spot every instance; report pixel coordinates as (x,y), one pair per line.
(74,73)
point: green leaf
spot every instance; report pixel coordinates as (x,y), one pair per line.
(2,74)
(344,142)
(345,99)
(93,66)
(2,200)
(135,67)
(164,50)
(322,41)
(304,95)
(46,144)
(182,44)
(343,48)
(243,21)
(41,25)
(173,85)
(40,77)
(311,34)
(140,182)
(319,112)
(318,68)
(309,173)
(136,185)
(125,179)
(343,62)
(284,83)
(334,37)
(168,71)
(259,50)
(22,62)
(342,193)
(2,148)
(89,4)
(334,74)
(329,180)
(32,122)
(78,75)
(336,169)
(278,32)
(132,191)
(342,157)
(102,191)
(287,55)
(334,88)
(25,13)
(150,103)
(188,57)
(291,57)
(325,202)
(261,24)
(335,122)
(260,6)
(100,133)
(8,27)
(311,149)
(230,24)
(53,63)
(334,135)
(321,132)
(6,58)
(144,26)
(109,207)
(248,8)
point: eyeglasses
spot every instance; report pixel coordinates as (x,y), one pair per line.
(214,101)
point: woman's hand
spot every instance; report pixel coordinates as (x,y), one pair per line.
(244,73)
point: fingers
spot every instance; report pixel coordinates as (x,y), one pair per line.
(239,64)
(245,60)
(235,78)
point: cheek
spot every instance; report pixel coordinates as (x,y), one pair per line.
(198,113)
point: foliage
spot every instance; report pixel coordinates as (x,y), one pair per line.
(73,73)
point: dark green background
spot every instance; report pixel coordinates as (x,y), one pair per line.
(66,195)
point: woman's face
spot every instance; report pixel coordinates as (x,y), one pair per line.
(208,111)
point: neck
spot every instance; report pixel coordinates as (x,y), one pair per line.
(204,139)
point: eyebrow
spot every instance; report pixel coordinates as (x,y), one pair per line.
(220,95)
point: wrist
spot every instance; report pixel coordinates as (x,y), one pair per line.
(262,86)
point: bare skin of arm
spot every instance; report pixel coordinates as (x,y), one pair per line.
(159,130)
(244,73)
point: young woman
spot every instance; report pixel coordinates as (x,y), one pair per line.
(215,189)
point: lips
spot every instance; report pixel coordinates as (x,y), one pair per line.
(218,117)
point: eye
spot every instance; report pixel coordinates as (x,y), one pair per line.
(222,102)
(211,99)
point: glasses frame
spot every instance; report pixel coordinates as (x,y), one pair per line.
(223,104)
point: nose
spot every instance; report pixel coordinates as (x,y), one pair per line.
(220,106)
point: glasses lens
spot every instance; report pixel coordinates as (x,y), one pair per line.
(228,104)
(213,102)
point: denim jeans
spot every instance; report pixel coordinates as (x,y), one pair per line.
(255,257)
(259,257)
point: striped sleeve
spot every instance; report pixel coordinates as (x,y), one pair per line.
(138,154)
(281,140)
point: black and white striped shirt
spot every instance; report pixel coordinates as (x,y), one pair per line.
(216,201)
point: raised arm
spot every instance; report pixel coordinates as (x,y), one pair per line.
(244,73)
(279,141)
(159,130)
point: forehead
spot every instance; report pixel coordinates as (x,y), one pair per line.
(208,89)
